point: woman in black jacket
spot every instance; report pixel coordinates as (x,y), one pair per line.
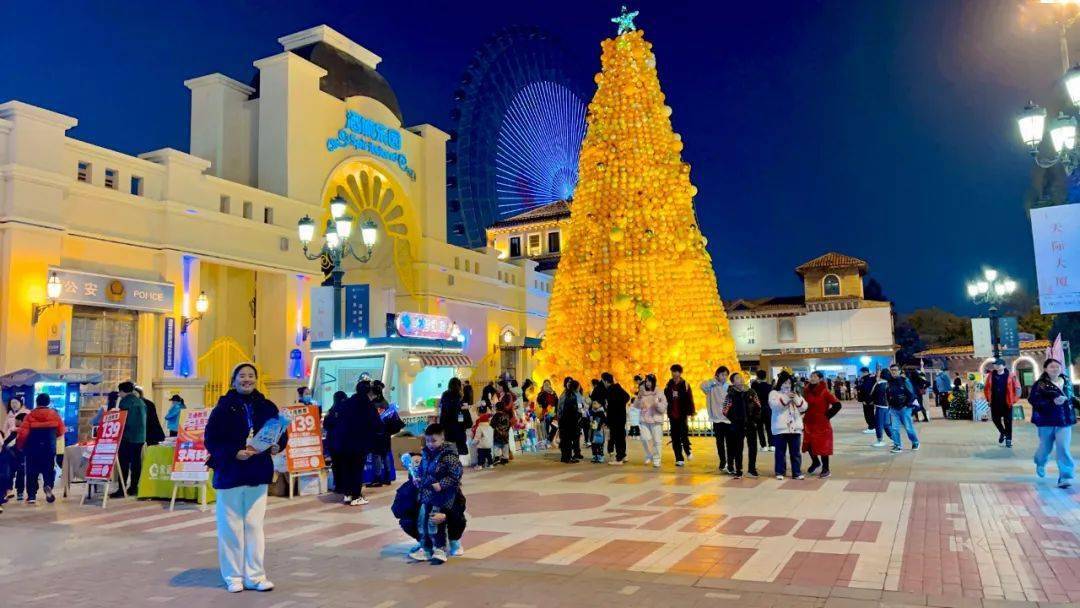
(569,419)
(241,475)
(454,416)
(350,436)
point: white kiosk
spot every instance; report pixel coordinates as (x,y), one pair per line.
(415,364)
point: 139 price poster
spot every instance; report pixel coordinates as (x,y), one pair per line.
(304,452)
(190,455)
(102,459)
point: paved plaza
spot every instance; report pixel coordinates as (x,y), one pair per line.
(962,522)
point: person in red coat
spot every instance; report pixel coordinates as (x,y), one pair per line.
(817,430)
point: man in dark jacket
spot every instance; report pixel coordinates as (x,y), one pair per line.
(351,428)
(762,387)
(617,399)
(680,399)
(864,386)
(154,433)
(131,444)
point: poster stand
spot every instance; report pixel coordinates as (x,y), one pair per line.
(189,484)
(294,477)
(103,485)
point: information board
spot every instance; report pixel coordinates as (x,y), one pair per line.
(103,458)
(304,452)
(190,455)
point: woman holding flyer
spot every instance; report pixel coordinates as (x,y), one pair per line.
(243,432)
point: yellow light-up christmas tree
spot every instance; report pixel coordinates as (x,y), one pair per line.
(635,289)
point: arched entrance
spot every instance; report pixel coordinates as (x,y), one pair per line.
(372,194)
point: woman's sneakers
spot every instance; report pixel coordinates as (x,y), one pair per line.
(358,502)
(420,555)
(439,556)
(261,585)
(456,550)
(234,586)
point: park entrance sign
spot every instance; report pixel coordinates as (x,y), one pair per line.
(1056,234)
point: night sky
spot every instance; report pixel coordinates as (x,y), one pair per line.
(883,130)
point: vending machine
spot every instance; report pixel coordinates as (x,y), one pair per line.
(63,386)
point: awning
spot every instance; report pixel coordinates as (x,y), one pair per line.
(25,377)
(436,359)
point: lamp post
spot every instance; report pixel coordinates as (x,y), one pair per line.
(336,247)
(1032,120)
(202,304)
(991,290)
(53,289)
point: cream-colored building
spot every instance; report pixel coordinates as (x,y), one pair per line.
(831,327)
(135,240)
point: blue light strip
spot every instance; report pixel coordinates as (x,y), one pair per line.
(536,162)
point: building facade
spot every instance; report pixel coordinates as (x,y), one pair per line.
(830,327)
(134,241)
(538,234)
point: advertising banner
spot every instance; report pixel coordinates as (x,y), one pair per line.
(1009,336)
(357,306)
(190,455)
(322,315)
(304,452)
(1056,234)
(102,459)
(980,335)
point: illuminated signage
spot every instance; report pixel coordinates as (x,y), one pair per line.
(416,325)
(366,135)
(113,292)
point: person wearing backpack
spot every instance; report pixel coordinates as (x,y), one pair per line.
(901,398)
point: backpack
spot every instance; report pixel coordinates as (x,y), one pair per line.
(897,394)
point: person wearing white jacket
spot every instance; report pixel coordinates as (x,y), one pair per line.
(653,407)
(716,390)
(786,408)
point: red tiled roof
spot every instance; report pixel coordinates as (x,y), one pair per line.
(833,260)
(550,211)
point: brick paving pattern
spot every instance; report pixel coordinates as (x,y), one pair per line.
(962,522)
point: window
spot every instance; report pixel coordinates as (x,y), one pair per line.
(268,215)
(249,210)
(785,330)
(85,171)
(554,242)
(283,244)
(515,246)
(112,178)
(450,280)
(500,275)
(831,285)
(476,267)
(226,204)
(457,263)
(534,244)
(466,265)
(136,185)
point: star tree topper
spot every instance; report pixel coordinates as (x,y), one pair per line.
(625,21)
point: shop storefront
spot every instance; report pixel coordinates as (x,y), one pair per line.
(175,266)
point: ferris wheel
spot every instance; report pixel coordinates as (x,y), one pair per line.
(518,126)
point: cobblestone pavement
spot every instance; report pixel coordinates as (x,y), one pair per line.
(961,522)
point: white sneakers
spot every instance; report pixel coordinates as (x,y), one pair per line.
(656,464)
(235,586)
(357,502)
(456,550)
(439,556)
(868,431)
(420,555)
(680,463)
(879,444)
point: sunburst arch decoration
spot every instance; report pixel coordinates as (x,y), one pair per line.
(372,194)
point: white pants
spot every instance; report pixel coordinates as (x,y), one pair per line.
(241,543)
(652,439)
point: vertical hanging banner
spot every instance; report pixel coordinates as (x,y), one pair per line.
(304,452)
(102,459)
(190,455)
(357,306)
(1009,336)
(169,345)
(1055,232)
(322,315)
(980,336)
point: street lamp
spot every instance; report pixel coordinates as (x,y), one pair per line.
(337,246)
(202,304)
(991,289)
(53,289)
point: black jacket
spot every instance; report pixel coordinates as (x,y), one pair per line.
(227,433)
(617,399)
(154,433)
(454,420)
(742,406)
(686,399)
(352,426)
(762,389)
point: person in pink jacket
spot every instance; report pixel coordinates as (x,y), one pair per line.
(653,407)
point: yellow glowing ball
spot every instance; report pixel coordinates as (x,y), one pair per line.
(652,323)
(616,234)
(623,302)
(594,355)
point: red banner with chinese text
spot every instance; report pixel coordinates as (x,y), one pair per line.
(103,458)
(304,452)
